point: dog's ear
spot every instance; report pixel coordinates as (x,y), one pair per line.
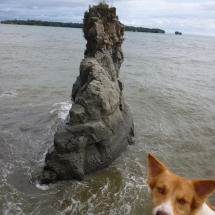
(203,188)
(155,167)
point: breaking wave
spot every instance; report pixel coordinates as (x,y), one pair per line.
(61,109)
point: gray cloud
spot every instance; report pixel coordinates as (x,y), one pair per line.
(188,16)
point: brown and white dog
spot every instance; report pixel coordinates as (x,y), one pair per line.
(174,195)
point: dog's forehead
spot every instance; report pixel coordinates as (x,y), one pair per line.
(172,177)
(176,184)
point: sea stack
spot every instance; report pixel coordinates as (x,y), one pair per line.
(99,125)
(178,33)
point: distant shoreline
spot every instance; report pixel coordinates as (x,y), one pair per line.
(76,25)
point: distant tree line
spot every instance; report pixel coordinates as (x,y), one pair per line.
(178,33)
(43,23)
(75,25)
(140,29)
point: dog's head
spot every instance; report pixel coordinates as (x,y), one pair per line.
(174,195)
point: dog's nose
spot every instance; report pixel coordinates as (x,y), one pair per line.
(162,213)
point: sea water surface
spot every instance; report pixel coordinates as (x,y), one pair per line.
(170,88)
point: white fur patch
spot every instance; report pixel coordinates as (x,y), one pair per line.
(205,210)
(165,207)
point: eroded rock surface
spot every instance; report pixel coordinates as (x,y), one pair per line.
(99,125)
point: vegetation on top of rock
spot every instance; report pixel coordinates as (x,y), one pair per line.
(101,28)
(103,11)
(178,33)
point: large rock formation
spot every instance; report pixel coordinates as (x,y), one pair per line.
(99,125)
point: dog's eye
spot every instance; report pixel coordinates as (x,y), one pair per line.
(182,201)
(160,190)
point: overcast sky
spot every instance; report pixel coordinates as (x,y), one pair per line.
(187,16)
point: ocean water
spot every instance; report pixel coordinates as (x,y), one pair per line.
(170,88)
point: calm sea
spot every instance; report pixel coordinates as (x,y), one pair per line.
(169,86)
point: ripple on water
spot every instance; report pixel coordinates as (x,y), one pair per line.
(169,86)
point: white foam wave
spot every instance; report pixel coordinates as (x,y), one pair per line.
(12,208)
(73,208)
(11,94)
(53,111)
(61,109)
(42,186)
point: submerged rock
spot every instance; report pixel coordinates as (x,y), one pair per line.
(99,125)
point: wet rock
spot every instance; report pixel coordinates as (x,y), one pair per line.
(99,125)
